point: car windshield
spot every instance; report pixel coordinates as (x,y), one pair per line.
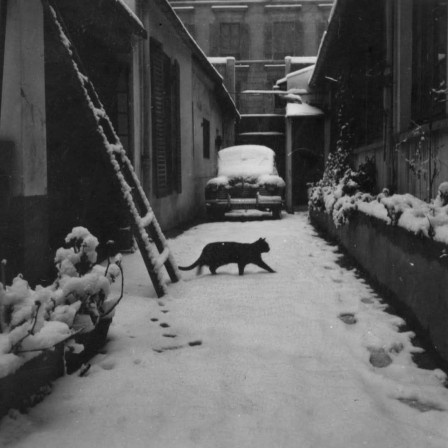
(246,161)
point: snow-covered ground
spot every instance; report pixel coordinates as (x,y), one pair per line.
(264,360)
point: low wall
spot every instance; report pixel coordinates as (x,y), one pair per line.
(402,265)
(30,383)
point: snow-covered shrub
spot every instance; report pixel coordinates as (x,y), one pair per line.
(343,209)
(442,195)
(316,198)
(34,320)
(425,220)
(365,175)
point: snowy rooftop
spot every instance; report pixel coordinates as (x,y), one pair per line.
(132,16)
(220,60)
(302,59)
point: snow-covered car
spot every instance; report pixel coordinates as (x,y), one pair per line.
(247,179)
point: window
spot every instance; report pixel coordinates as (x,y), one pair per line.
(165,94)
(229,34)
(3,4)
(429,59)
(282,43)
(206,138)
(283,39)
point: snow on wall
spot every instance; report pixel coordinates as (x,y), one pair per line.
(403,210)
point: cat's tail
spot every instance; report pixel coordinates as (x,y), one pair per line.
(192,266)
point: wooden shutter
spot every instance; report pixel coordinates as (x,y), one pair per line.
(168,97)
(158,119)
(177,154)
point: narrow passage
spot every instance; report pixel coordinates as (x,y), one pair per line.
(304,357)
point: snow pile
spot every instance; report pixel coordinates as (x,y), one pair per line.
(35,320)
(403,210)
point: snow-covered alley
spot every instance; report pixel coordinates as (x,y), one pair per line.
(290,359)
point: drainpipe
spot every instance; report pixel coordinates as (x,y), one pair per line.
(288,165)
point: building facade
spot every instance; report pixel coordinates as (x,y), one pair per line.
(267,40)
(167,103)
(386,63)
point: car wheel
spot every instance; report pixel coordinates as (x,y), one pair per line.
(277,213)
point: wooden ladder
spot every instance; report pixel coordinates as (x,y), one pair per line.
(150,239)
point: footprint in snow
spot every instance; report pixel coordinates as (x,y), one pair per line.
(164,325)
(420,405)
(169,335)
(379,357)
(154,319)
(107,365)
(177,347)
(348,318)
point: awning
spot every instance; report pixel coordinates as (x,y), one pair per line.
(302,110)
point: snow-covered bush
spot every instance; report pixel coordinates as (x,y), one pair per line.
(36,319)
(341,199)
(426,220)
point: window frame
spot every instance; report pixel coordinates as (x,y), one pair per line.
(232,48)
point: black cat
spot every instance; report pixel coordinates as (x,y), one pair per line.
(215,255)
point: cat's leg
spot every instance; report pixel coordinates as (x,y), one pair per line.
(241,267)
(213,269)
(263,265)
(199,270)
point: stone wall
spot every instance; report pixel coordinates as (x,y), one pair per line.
(411,270)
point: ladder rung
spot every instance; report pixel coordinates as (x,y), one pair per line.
(99,113)
(161,260)
(116,148)
(146,220)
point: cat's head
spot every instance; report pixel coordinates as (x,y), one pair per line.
(263,245)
